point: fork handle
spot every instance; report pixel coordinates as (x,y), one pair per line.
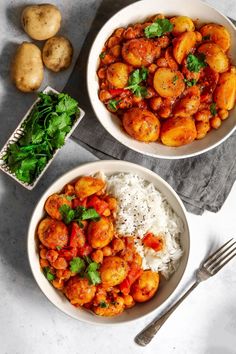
(146,335)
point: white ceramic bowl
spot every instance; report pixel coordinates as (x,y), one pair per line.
(138,12)
(166,287)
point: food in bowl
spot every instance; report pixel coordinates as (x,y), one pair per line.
(168,79)
(107,242)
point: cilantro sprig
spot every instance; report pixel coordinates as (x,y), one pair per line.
(48,274)
(45,130)
(135,79)
(78,214)
(190,83)
(112,104)
(158,28)
(213,109)
(89,270)
(195,63)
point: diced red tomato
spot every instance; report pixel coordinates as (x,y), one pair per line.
(116,92)
(152,241)
(98,204)
(78,202)
(133,274)
(129,243)
(85,250)
(68,253)
(77,237)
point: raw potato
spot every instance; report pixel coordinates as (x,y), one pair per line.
(57,53)
(178,131)
(189,104)
(183,45)
(138,52)
(225,92)
(41,22)
(27,67)
(168,83)
(118,75)
(217,34)
(141,124)
(181,24)
(215,57)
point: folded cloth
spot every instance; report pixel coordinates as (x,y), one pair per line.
(202,182)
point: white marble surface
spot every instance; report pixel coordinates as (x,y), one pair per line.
(29,324)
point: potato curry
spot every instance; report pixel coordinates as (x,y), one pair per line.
(168,79)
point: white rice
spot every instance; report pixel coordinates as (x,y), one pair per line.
(141,209)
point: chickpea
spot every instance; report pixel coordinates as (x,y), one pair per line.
(102,73)
(63,274)
(52,255)
(128,301)
(119,32)
(127,255)
(60,263)
(215,122)
(155,103)
(69,189)
(152,68)
(106,251)
(106,212)
(118,245)
(203,115)
(58,283)
(112,203)
(233,70)
(150,93)
(97,256)
(198,36)
(138,259)
(112,41)
(44,263)
(202,128)
(164,112)
(223,114)
(163,41)
(116,50)
(43,253)
(104,95)
(162,63)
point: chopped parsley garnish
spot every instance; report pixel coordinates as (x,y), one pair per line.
(206,38)
(102,55)
(195,63)
(86,269)
(158,28)
(45,130)
(103,304)
(191,82)
(175,78)
(136,77)
(78,214)
(48,274)
(70,197)
(112,105)
(213,109)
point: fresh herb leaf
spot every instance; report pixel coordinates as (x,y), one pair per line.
(77,265)
(136,77)
(103,304)
(70,197)
(175,78)
(79,214)
(92,274)
(112,105)
(158,28)
(89,213)
(58,248)
(191,82)
(102,55)
(195,63)
(48,274)
(67,213)
(213,109)
(88,259)
(206,38)
(66,104)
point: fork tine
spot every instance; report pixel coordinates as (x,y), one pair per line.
(218,256)
(216,270)
(217,253)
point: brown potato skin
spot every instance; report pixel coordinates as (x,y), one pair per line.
(145,287)
(53,204)
(42,21)
(225,92)
(118,75)
(215,57)
(140,52)
(100,233)
(178,131)
(218,34)
(86,186)
(165,84)
(57,53)
(183,45)
(79,291)
(141,124)
(113,271)
(53,233)
(27,67)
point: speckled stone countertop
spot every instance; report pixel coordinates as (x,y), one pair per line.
(29,323)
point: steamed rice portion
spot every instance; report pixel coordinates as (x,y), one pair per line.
(141,209)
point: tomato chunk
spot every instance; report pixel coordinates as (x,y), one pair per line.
(152,241)
(133,274)
(85,250)
(79,202)
(98,204)
(77,237)
(68,253)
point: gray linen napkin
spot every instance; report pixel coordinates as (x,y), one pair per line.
(202,182)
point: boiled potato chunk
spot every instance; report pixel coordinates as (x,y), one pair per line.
(79,291)
(118,75)
(140,52)
(141,124)
(42,21)
(53,204)
(27,67)
(178,131)
(225,92)
(145,287)
(183,45)
(86,186)
(182,24)
(53,233)
(189,104)
(100,232)
(215,57)
(168,83)
(113,271)
(57,53)
(217,34)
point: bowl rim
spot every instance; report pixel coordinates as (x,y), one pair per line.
(99,164)
(139,150)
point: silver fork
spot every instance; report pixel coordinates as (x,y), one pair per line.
(210,267)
